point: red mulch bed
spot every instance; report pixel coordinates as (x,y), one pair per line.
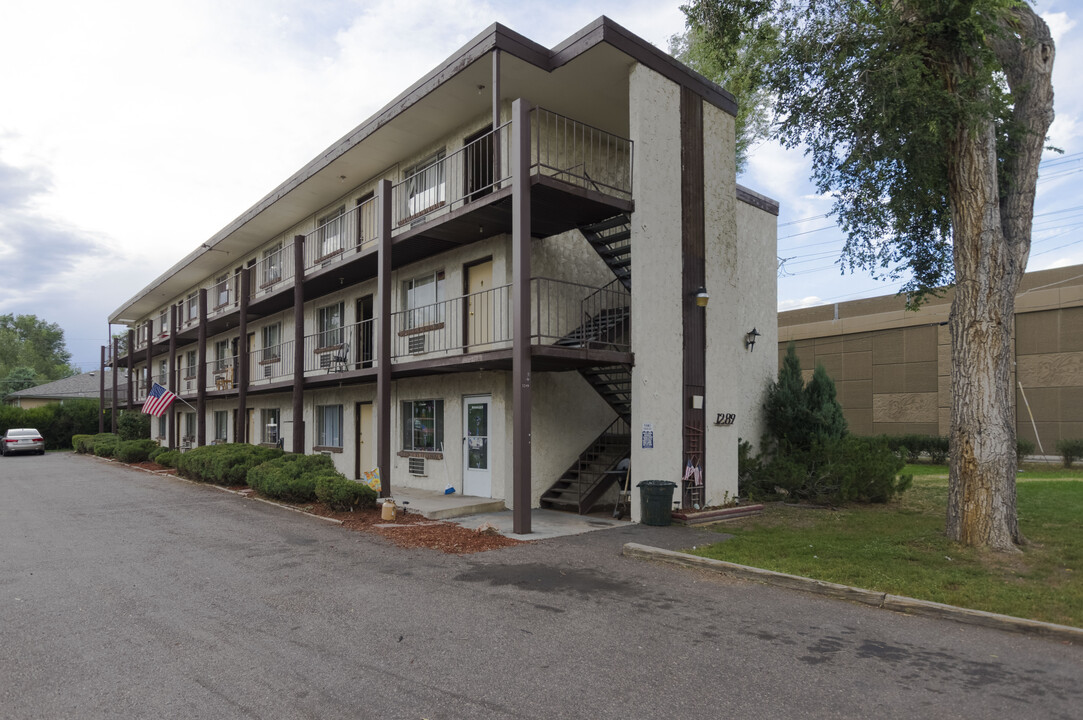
(413,531)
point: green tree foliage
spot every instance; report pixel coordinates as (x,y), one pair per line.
(29,343)
(797,415)
(133,425)
(56,422)
(926,121)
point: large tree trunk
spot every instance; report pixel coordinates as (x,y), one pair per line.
(991,229)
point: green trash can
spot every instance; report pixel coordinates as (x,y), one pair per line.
(657,499)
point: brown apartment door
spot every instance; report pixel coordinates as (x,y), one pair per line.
(479,163)
(481,308)
(365,439)
(365,335)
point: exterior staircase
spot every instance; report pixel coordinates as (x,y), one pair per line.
(612,240)
(595,471)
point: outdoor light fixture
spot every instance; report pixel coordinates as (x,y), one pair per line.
(750,338)
(702,297)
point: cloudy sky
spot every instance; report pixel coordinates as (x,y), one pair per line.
(130,132)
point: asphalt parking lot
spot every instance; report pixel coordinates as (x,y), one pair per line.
(125,594)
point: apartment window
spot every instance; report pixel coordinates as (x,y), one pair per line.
(140,334)
(329,325)
(270,431)
(272,335)
(221,290)
(422,298)
(190,425)
(190,364)
(162,426)
(271,265)
(329,426)
(330,232)
(423,425)
(163,373)
(221,355)
(163,323)
(425,185)
(221,425)
(192,304)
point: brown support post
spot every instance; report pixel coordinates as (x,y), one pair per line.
(116,380)
(101,395)
(240,433)
(520,362)
(496,118)
(383,339)
(298,344)
(150,355)
(201,372)
(130,352)
(172,387)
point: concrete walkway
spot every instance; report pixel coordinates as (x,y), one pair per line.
(474,512)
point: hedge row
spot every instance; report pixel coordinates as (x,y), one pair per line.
(304,478)
(223,464)
(937,448)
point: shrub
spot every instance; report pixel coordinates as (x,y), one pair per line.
(57,423)
(156,451)
(168,458)
(1023,447)
(133,425)
(223,464)
(342,494)
(291,477)
(82,443)
(939,449)
(105,444)
(134,451)
(1070,450)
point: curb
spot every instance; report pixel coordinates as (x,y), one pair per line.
(897,603)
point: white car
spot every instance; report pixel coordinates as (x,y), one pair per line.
(19,440)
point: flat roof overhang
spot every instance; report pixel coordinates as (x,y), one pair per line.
(585,77)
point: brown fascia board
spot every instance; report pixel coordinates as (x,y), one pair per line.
(495,37)
(753,198)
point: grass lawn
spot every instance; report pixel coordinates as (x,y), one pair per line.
(900,547)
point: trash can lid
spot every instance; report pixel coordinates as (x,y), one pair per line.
(657,483)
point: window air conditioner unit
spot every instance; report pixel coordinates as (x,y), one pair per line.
(416,344)
(325,361)
(417,466)
(268,371)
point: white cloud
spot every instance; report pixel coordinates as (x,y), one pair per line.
(810,301)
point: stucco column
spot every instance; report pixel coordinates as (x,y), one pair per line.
(240,433)
(383,338)
(201,372)
(298,442)
(521,398)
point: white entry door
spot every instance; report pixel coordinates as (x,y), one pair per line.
(477,452)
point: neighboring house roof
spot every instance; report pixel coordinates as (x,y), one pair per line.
(85,385)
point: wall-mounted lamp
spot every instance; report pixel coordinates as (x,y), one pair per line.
(750,338)
(702,297)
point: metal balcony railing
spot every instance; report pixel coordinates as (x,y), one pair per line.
(271,364)
(580,154)
(337,350)
(470,323)
(272,272)
(468,174)
(341,236)
(221,374)
(581,316)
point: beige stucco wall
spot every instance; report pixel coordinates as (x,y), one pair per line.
(757,297)
(657,331)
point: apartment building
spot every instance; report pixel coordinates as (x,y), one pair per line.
(530,266)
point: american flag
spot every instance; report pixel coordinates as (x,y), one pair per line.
(158,400)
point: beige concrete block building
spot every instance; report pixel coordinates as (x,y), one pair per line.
(892,367)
